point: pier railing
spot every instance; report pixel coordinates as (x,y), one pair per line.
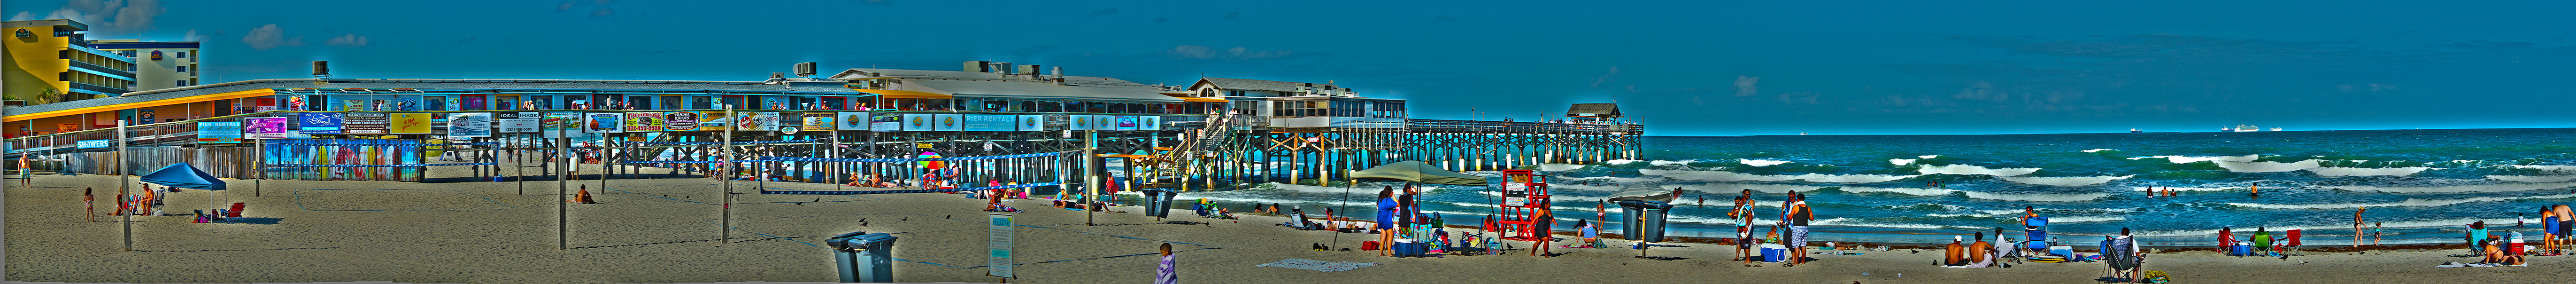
(1474,126)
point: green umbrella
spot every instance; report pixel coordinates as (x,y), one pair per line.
(1416,171)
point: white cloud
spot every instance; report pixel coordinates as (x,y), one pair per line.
(348,40)
(107,17)
(1744,86)
(193,36)
(137,15)
(270,36)
(23,16)
(1975,91)
(1190,52)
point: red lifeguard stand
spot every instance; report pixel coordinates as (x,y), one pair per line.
(1524,193)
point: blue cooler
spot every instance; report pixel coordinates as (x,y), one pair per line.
(1775,253)
(1408,249)
(2241,249)
(2037,222)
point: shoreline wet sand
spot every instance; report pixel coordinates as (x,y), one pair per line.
(665,230)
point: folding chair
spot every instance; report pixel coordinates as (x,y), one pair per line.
(2292,241)
(236,212)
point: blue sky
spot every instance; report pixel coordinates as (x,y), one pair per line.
(1682,67)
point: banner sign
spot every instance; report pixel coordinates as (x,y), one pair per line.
(1033,122)
(519,122)
(264,127)
(680,121)
(948,122)
(318,123)
(559,123)
(1104,122)
(365,123)
(713,121)
(468,125)
(411,123)
(885,122)
(991,122)
(218,132)
(91,144)
(853,121)
(1149,122)
(644,121)
(1080,122)
(821,121)
(602,122)
(1127,122)
(916,122)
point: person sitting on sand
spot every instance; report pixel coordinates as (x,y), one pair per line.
(1981,253)
(2490,254)
(1954,254)
(2226,240)
(2124,255)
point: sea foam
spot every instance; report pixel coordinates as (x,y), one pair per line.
(2416,202)
(2533,178)
(1760,163)
(2500,187)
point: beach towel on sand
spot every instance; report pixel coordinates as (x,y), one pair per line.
(1317,265)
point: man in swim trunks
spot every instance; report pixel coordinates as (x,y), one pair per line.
(1744,244)
(1797,218)
(2566,222)
(2548,229)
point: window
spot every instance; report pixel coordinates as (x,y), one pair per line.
(183,54)
(181,83)
(1297,108)
(702,102)
(183,69)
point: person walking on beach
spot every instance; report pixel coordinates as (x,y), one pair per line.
(1167,272)
(1545,228)
(2356,225)
(89,204)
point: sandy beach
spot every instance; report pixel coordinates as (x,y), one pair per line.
(664,230)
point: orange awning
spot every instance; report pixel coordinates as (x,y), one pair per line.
(901,94)
(1202,100)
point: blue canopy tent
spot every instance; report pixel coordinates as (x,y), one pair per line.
(182,175)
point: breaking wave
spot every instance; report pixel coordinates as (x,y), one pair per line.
(2066,181)
(2416,202)
(2036,197)
(1559,167)
(1974,170)
(1727,176)
(2533,178)
(2345,172)
(1760,163)
(2190,159)
(2501,187)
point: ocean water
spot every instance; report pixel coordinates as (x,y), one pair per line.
(2424,185)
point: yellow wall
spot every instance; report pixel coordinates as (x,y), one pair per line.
(33,63)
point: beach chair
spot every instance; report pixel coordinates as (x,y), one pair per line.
(235,212)
(2286,242)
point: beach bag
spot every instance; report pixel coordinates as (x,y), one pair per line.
(1368,245)
(2158,276)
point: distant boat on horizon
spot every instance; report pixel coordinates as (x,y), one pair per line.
(2242,128)
(2135,130)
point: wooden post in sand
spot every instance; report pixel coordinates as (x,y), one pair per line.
(1090,176)
(122,185)
(563,180)
(732,121)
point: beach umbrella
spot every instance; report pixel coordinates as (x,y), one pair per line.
(184,176)
(1416,171)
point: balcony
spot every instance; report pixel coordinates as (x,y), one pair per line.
(95,89)
(102,70)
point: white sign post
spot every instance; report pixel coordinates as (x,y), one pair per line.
(999,265)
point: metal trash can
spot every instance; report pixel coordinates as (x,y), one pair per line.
(864,257)
(1158,202)
(1645,220)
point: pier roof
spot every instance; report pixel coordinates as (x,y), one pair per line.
(1253,85)
(240,89)
(980,84)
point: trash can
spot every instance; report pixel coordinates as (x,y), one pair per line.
(1645,220)
(1158,202)
(864,257)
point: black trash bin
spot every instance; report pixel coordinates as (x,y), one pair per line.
(864,257)
(1645,220)
(1158,202)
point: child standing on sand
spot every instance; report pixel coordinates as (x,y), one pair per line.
(1167,272)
